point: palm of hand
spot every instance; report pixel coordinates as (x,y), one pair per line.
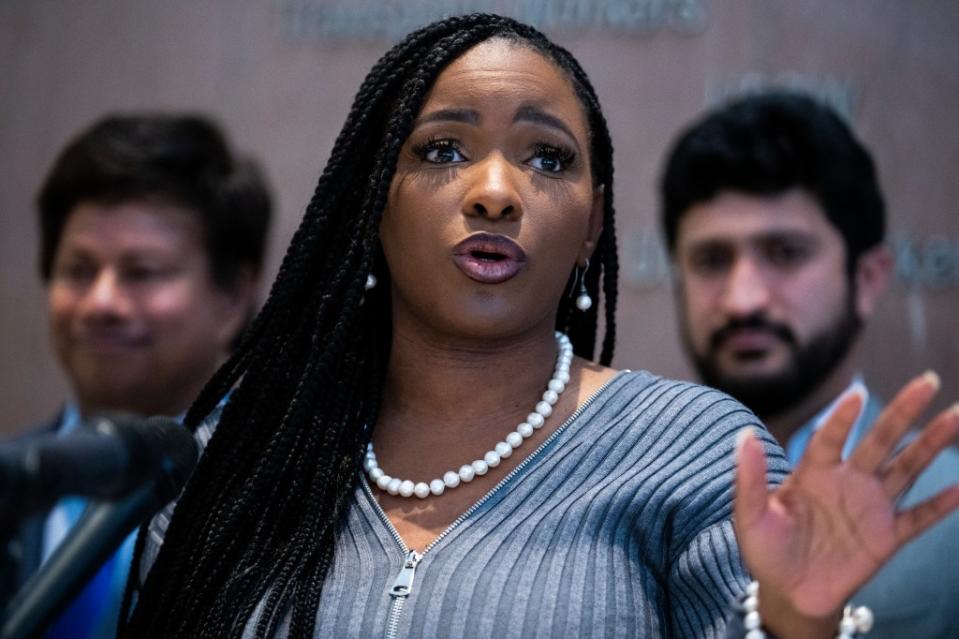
(824,532)
(833,523)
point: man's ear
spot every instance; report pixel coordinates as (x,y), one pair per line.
(873,270)
(595,229)
(235,304)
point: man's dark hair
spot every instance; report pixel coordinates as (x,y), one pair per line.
(255,525)
(766,144)
(183,160)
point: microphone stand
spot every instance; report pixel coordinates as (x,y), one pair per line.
(98,533)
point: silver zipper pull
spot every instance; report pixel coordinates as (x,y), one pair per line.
(404,581)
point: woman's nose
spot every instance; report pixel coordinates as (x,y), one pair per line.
(492,192)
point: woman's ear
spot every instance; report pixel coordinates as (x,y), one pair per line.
(595,225)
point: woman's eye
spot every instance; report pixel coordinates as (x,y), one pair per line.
(440,152)
(551,159)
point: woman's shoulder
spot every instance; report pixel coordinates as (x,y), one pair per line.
(687,415)
(684,401)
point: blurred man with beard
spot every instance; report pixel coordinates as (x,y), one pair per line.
(152,237)
(775,221)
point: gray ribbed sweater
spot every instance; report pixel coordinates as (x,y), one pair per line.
(618,526)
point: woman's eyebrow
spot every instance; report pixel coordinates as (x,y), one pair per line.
(538,116)
(523,114)
(467,116)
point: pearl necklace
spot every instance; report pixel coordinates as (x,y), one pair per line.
(502,450)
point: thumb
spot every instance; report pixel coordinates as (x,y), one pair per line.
(751,490)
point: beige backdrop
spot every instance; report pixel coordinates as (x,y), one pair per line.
(281,74)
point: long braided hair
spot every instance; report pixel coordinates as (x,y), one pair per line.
(258,516)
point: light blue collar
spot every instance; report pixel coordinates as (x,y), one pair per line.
(796,445)
(69,420)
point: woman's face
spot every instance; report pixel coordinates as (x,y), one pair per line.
(492,204)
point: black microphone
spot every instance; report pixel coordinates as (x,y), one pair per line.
(109,457)
(100,531)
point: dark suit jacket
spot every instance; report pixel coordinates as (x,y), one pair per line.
(914,595)
(21,553)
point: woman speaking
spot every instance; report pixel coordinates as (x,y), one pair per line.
(417,443)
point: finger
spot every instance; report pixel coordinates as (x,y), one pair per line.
(751,490)
(825,447)
(907,465)
(915,520)
(885,434)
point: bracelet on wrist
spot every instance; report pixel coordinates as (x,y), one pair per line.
(751,620)
(855,622)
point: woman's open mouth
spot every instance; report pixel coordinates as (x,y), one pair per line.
(489,258)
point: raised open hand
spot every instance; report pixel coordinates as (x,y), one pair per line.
(833,523)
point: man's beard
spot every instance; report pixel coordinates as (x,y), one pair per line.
(769,395)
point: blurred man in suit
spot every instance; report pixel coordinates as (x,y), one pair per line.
(152,242)
(774,220)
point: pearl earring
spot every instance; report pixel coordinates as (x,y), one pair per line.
(370,282)
(583,301)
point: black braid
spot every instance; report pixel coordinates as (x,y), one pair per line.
(257,519)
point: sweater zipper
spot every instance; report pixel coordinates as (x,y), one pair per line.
(401,589)
(403,584)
